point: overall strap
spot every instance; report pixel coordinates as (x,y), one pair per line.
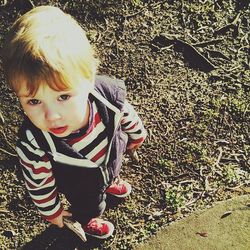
(57,150)
(61,152)
(98,96)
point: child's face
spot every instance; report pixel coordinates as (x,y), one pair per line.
(57,112)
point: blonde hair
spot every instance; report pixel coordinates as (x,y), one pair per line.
(47,46)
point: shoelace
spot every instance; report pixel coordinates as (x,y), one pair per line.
(119,185)
(95,226)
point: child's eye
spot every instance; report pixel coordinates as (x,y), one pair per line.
(34,102)
(63,97)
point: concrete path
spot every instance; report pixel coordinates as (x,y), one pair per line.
(225,226)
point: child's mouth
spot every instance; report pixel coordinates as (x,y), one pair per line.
(59,130)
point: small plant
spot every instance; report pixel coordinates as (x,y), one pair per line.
(136,2)
(152,227)
(238,106)
(166,165)
(230,174)
(174,200)
(193,152)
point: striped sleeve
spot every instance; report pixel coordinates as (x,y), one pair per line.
(39,179)
(132,124)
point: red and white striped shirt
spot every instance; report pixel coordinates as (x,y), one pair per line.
(92,142)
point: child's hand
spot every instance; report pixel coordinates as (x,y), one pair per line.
(131,150)
(133,146)
(59,219)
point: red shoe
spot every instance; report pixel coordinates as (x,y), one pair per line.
(119,188)
(99,228)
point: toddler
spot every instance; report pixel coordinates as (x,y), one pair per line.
(77,124)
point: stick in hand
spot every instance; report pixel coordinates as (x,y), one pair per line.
(76,227)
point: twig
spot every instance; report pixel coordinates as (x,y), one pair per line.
(5,137)
(1,116)
(65,6)
(153,5)
(194,200)
(216,164)
(219,156)
(7,152)
(132,226)
(23,207)
(245,37)
(182,14)
(31,3)
(134,14)
(4,210)
(228,26)
(205,43)
(233,188)
(236,18)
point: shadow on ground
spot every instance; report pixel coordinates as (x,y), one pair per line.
(63,239)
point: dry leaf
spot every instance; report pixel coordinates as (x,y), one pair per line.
(202,234)
(227,213)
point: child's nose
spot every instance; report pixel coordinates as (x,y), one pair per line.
(52,114)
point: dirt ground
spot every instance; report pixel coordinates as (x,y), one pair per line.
(187,70)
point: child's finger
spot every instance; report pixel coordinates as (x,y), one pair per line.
(66,214)
(58,221)
(60,224)
(133,146)
(134,156)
